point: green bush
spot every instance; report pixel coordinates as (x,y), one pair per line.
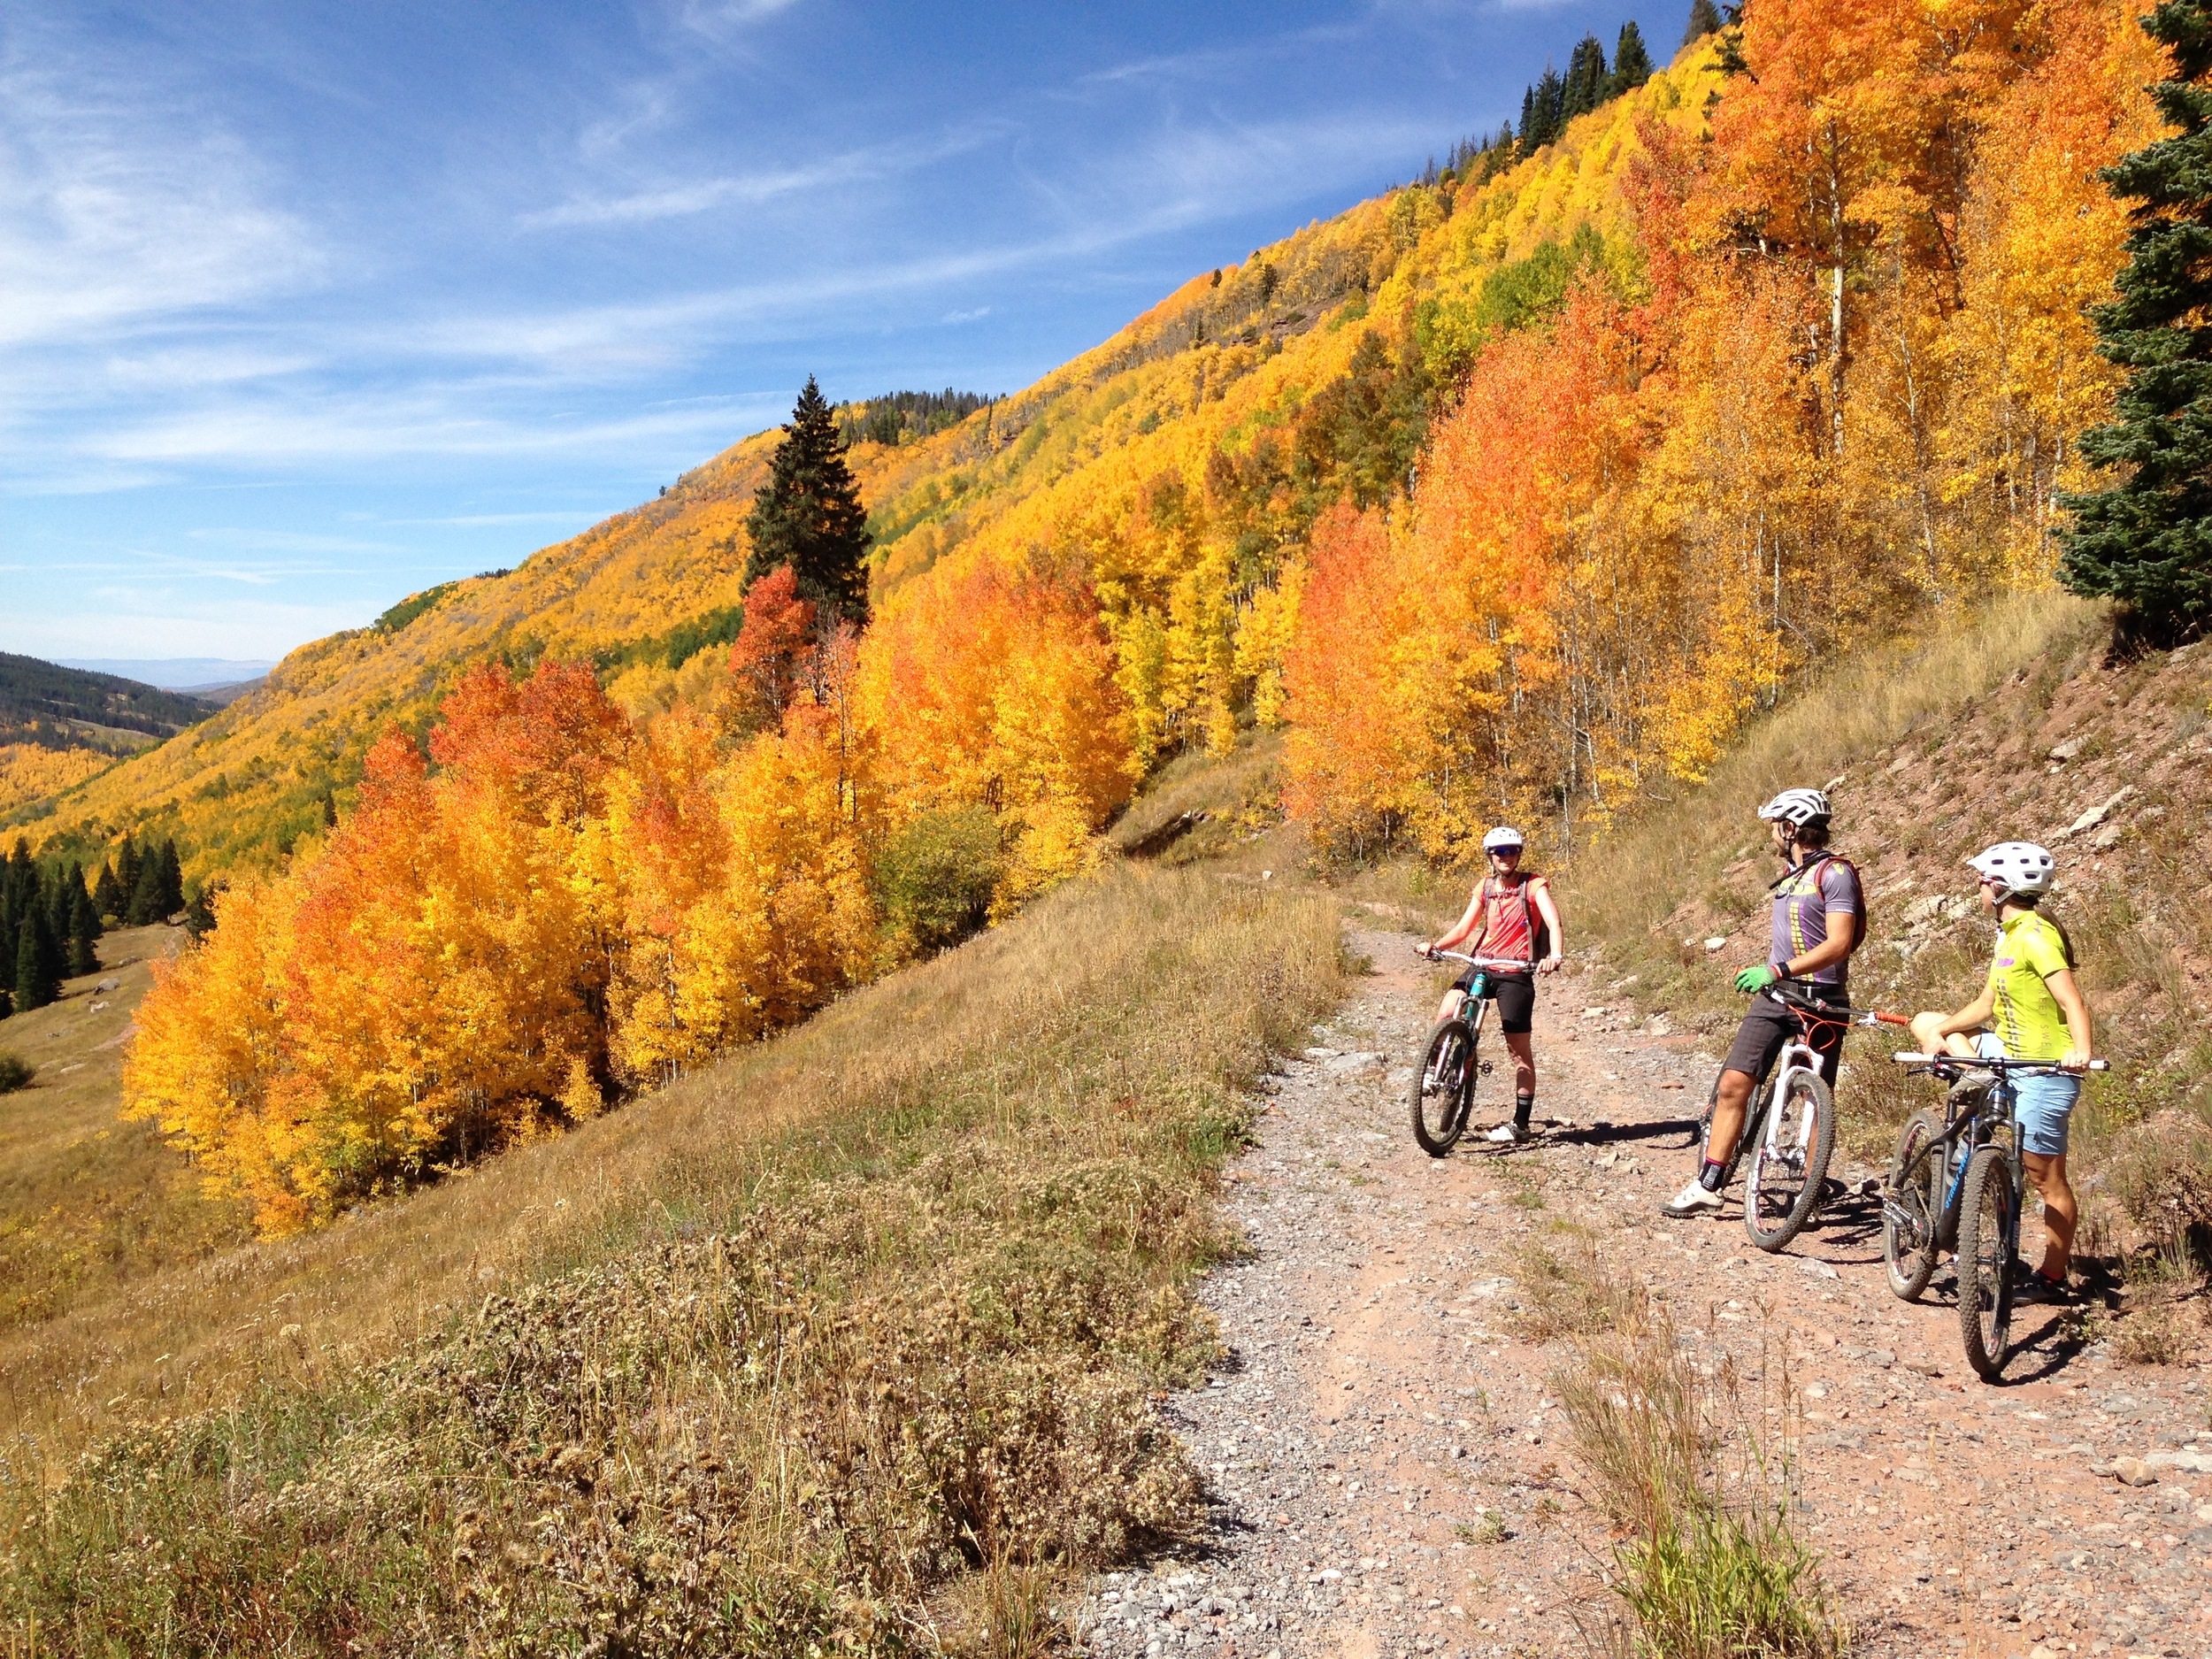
(936,875)
(15,1072)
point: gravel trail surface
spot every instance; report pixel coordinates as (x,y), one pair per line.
(1391,1475)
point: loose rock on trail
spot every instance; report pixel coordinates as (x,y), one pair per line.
(1391,1477)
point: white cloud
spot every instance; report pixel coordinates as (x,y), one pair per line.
(682,199)
(116,210)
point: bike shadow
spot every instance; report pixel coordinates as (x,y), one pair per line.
(2057,1344)
(1605,1135)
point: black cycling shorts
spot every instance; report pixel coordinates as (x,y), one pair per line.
(1768,1026)
(1515,994)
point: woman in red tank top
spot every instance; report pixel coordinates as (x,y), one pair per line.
(1511,916)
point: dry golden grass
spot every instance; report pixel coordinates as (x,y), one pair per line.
(88,1203)
(846,1340)
(1201,805)
(1636,875)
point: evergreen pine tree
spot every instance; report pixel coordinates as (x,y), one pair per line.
(199,911)
(1631,62)
(808,515)
(109,897)
(84,936)
(145,906)
(1544,111)
(1704,19)
(61,895)
(171,890)
(36,980)
(2147,540)
(1587,80)
(126,873)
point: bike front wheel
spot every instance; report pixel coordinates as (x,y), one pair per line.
(1444,1087)
(1987,1230)
(1911,1200)
(1789,1160)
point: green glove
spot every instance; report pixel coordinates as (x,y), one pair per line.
(1751,982)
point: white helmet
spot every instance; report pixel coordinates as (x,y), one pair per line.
(1504,836)
(2015,867)
(1796,808)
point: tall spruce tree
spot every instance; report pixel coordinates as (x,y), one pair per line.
(1631,61)
(1704,19)
(109,897)
(2146,540)
(1587,80)
(1545,111)
(808,515)
(127,872)
(84,936)
(37,981)
(160,893)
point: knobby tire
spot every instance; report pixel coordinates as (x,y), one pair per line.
(1443,1092)
(1912,1201)
(1987,1233)
(1797,1135)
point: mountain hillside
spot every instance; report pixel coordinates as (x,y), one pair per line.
(42,702)
(2024,727)
(59,727)
(1312,365)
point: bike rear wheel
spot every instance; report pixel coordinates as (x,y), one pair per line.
(1910,1202)
(1444,1087)
(1987,1230)
(1788,1160)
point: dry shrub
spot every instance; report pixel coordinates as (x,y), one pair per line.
(1564,1289)
(2160,1171)
(2161,1324)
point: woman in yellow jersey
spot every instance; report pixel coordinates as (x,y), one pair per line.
(2031,1009)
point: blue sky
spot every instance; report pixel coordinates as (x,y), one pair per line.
(305,306)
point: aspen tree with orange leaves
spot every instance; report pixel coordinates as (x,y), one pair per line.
(1507,496)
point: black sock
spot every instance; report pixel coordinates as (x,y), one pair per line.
(1523,1105)
(1713,1177)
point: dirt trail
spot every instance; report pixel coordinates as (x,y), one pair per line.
(1377,1422)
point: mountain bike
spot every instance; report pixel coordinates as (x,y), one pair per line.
(1960,1185)
(1790,1126)
(1451,1065)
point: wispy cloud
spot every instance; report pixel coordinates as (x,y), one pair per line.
(681,199)
(117,209)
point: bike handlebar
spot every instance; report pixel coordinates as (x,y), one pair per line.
(2000,1067)
(1844,1016)
(1472,962)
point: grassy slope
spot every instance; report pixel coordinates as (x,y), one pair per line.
(242,787)
(1932,753)
(982,1180)
(87,1203)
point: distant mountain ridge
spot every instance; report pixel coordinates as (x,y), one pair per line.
(59,707)
(187,674)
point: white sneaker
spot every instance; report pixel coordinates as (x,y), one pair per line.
(1693,1199)
(1508,1132)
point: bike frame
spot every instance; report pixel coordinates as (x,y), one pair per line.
(1958,1146)
(1798,1054)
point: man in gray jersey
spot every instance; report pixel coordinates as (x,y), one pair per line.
(1817,907)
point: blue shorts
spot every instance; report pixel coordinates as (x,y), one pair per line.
(2042,1101)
